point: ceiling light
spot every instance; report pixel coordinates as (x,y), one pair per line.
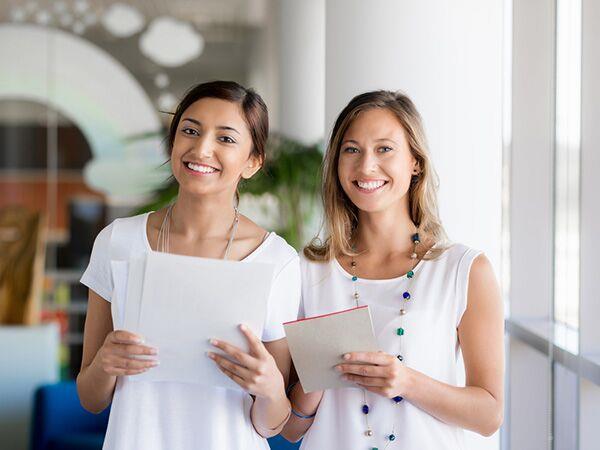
(122,20)
(170,42)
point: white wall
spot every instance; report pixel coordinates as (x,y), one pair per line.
(447,56)
(302,69)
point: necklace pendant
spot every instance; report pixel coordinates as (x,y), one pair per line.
(402,312)
(413,256)
(369,432)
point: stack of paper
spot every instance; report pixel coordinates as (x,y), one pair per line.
(317,345)
(177,303)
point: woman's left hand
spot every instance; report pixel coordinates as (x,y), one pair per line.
(256,371)
(376,372)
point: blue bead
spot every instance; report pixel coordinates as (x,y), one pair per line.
(406,295)
(410,274)
(392,437)
(354,278)
(415,237)
(398,399)
(365,409)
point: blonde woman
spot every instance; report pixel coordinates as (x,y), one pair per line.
(430,300)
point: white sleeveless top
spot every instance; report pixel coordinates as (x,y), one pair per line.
(430,345)
(184,416)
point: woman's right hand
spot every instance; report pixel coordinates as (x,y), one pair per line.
(123,353)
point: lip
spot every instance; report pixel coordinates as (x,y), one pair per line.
(199,174)
(369,191)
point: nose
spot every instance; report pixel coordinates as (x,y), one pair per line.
(204,147)
(367,162)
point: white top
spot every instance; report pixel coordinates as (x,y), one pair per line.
(169,415)
(430,345)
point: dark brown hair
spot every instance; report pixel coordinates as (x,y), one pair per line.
(254,110)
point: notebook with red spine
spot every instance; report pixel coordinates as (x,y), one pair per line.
(317,344)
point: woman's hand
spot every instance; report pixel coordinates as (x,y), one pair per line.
(256,371)
(376,372)
(124,354)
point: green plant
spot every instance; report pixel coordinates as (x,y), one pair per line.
(291,174)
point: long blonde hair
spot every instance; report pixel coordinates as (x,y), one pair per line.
(341,215)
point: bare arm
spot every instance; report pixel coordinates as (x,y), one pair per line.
(267,413)
(106,355)
(479,405)
(262,373)
(304,405)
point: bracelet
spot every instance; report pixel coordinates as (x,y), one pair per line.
(302,416)
(267,432)
(294,412)
(289,389)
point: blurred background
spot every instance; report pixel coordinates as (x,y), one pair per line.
(509,91)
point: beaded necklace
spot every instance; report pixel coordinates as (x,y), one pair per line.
(406,296)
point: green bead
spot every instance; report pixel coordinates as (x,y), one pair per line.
(410,274)
(400,331)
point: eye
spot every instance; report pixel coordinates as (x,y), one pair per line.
(385,149)
(350,150)
(189,131)
(226,139)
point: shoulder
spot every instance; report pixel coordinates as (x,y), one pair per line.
(311,265)
(275,250)
(120,234)
(457,254)
(457,250)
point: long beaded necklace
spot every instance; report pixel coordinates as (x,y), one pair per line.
(406,297)
(164,233)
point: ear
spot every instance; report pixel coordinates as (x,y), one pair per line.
(416,167)
(254,164)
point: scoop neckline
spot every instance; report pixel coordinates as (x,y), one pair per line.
(270,235)
(348,275)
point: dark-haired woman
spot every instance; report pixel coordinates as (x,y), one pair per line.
(217,137)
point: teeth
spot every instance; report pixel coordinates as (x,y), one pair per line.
(201,168)
(371,185)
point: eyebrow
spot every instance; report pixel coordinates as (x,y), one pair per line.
(352,141)
(220,127)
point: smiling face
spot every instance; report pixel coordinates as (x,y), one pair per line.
(375,163)
(212,148)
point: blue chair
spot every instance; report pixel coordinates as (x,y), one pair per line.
(60,423)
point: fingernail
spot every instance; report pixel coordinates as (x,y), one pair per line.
(347,356)
(213,341)
(210,355)
(338,368)
(243,327)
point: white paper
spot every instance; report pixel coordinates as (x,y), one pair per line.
(177,303)
(317,345)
